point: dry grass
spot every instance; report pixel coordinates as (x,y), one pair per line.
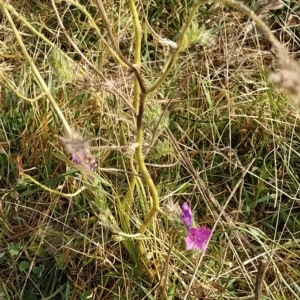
(216,135)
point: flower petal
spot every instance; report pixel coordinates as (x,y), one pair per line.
(86,161)
(186,215)
(75,159)
(197,238)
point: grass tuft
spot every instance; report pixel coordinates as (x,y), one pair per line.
(200,124)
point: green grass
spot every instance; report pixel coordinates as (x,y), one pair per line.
(215,133)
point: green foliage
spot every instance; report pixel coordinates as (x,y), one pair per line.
(61,66)
(38,271)
(198,35)
(214,124)
(24,265)
(14,249)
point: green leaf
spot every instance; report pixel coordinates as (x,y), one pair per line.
(24,265)
(2,257)
(13,249)
(87,295)
(38,271)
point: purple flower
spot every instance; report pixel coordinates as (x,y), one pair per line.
(76,145)
(197,238)
(186,215)
(82,160)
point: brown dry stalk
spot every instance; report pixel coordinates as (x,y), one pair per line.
(261,272)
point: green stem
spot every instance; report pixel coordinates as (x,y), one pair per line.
(139,155)
(38,76)
(51,190)
(137,51)
(39,35)
(180,42)
(139,103)
(11,87)
(141,163)
(115,46)
(129,198)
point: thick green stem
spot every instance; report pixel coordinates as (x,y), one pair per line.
(143,168)
(115,46)
(139,103)
(137,51)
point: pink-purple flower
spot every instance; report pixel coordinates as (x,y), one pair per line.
(78,147)
(186,215)
(197,238)
(82,160)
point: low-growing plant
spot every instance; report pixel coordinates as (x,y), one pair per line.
(98,160)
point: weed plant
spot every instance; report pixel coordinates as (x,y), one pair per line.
(114,114)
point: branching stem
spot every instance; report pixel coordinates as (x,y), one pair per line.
(115,46)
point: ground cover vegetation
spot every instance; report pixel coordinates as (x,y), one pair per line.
(149,150)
